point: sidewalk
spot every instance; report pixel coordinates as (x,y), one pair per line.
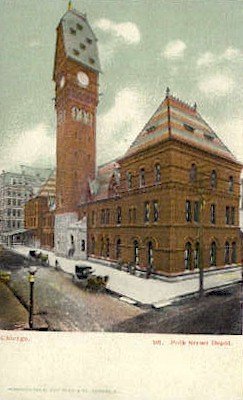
(146,291)
(13,315)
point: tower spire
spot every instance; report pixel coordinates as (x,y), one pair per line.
(70,6)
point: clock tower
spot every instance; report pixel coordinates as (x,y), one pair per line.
(76,73)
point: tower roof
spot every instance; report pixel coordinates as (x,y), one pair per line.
(176,119)
(80,42)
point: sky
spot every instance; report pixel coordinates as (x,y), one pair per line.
(194,47)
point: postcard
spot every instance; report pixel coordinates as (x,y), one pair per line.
(121,200)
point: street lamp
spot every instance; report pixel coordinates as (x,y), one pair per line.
(32,272)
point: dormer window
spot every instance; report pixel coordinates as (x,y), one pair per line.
(151,128)
(188,127)
(79,27)
(82,46)
(88,40)
(72,31)
(208,136)
(76,52)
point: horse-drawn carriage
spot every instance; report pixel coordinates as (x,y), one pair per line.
(85,276)
(40,257)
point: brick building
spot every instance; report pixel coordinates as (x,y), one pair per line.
(170,202)
(40,215)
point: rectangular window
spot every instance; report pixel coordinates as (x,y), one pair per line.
(188,211)
(196,211)
(129,180)
(134,214)
(146,211)
(232,215)
(156,210)
(102,219)
(227,215)
(213,214)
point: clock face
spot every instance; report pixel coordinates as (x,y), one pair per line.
(83,79)
(62,82)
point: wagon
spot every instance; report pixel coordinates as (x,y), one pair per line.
(85,277)
(39,257)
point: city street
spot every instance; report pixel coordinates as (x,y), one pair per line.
(60,305)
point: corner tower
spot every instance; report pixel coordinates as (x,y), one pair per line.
(76,74)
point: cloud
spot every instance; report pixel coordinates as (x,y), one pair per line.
(208,59)
(126,31)
(231,53)
(174,49)
(34,43)
(32,147)
(118,127)
(216,85)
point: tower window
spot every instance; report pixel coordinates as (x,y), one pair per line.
(79,27)
(82,46)
(188,211)
(213,214)
(88,40)
(91,60)
(72,31)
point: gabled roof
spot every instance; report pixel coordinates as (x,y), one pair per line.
(175,119)
(48,189)
(80,42)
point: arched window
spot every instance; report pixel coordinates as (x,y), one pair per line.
(213,179)
(146,211)
(196,255)
(142,177)
(118,249)
(227,253)
(231,184)
(136,252)
(118,215)
(82,245)
(213,254)
(193,173)
(233,253)
(150,257)
(157,173)
(188,256)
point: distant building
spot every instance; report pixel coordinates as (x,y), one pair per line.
(39,212)
(15,190)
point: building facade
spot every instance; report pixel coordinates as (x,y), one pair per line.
(168,206)
(15,190)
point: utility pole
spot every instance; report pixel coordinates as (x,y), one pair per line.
(32,271)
